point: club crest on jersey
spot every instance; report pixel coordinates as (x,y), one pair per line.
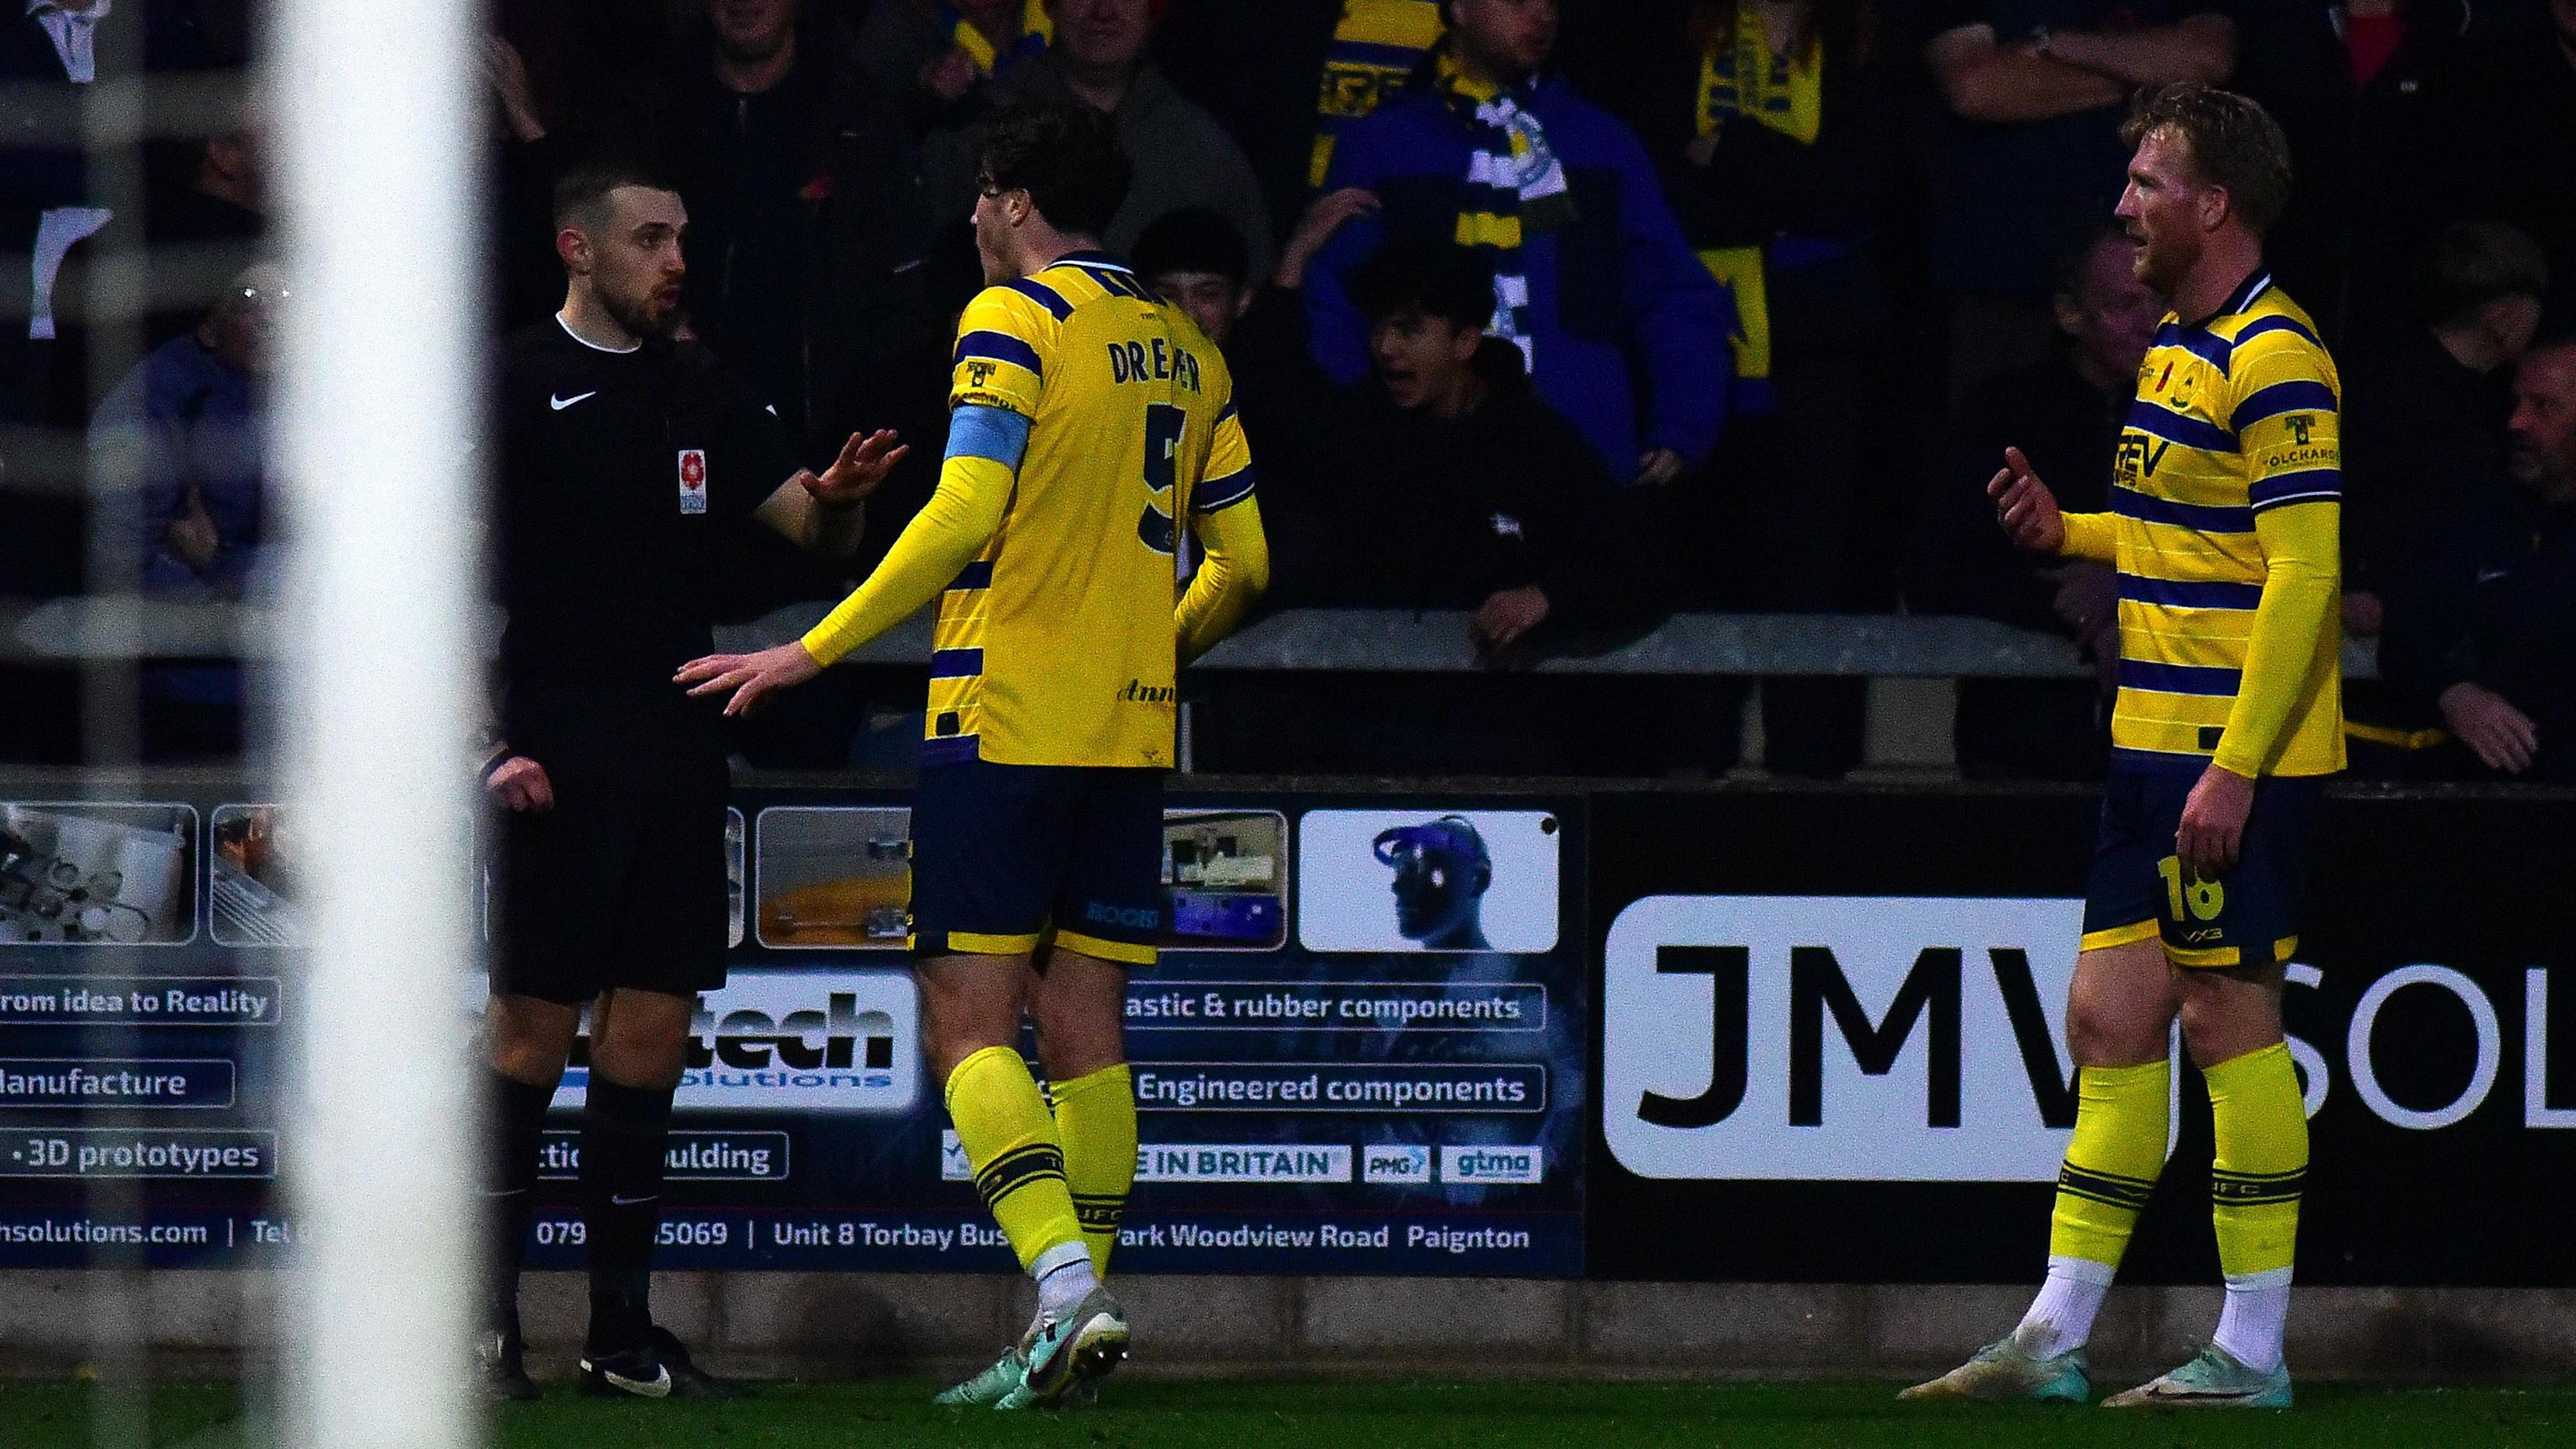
(693,480)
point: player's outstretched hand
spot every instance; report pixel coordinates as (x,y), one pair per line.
(751,677)
(865,461)
(2213,823)
(519,783)
(2025,507)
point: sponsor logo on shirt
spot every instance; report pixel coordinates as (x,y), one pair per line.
(2137,456)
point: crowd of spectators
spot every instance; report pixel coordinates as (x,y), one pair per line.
(1562,316)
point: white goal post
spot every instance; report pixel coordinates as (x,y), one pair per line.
(375,119)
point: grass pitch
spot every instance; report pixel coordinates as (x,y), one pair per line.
(1142,1414)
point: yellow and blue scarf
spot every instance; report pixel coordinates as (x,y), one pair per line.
(1037,32)
(1742,77)
(1515,186)
(1377,46)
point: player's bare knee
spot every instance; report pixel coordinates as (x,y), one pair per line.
(1077,1042)
(1079,1005)
(637,1060)
(530,1040)
(2114,1033)
(2117,1027)
(528,1061)
(2225,1015)
(2209,1032)
(641,1038)
(2120,1009)
(970,1003)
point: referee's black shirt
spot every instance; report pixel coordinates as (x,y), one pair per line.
(624,475)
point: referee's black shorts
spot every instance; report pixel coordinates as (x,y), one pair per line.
(623,882)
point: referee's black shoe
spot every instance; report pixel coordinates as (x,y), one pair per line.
(503,1364)
(657,1368)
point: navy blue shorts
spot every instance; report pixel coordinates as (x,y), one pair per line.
(1006,858)
(2247,917)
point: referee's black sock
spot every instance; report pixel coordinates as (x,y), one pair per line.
(514,1139)
(624,1133)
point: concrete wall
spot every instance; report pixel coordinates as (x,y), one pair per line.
(842,1325)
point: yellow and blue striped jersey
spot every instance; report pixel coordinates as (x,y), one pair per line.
(1377,45)
(1037,32)
(2225,500)
(1056,646)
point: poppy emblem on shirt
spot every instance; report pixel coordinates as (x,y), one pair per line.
(693,480)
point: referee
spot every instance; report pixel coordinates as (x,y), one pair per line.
(626,466)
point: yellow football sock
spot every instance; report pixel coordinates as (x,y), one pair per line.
(2261,1127)
(1010,1141)
(1095,1115)
(2112,1161)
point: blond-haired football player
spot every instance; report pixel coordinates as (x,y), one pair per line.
(2224,511)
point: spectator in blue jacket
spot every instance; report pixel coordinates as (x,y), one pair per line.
(181,480)
(1491,150)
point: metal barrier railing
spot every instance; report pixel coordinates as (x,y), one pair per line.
(1378,641)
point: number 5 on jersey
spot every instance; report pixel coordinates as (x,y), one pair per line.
(1164,425)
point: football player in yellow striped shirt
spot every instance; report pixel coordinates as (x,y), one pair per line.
(1092,427)
(2225,505)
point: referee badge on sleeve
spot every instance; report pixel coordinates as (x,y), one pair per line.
(693,480)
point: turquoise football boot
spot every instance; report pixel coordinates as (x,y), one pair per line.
(2003,1373)
(1066,1356)
(2216,1379)
(991,1386)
